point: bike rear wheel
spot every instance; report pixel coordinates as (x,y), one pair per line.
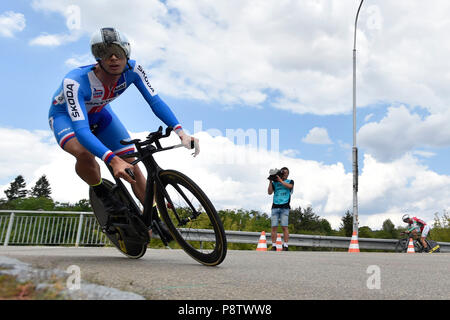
(124,241)
(190,218)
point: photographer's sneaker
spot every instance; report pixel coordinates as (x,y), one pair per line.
(274,248)
(285,247)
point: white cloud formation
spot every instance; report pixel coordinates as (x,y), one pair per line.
(293,55)
(72,14)
(239,51)
(80,60)
(317,136)
(234,176)
(402,130)
(11,22)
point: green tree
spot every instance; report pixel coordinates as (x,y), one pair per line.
(83,205)
(303,220)
(326,226)
(441,227)
(41,203)
(365,232)
(347,224)
(16,189)
(41,189)
(389,230)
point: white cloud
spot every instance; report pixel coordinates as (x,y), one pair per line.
(34,153)
(291,153)
(293,55)
(11,22)
(317,136)
(80,60)
(425,154)
(51,40)
(368,117)
(402,185)
(235,176)
(401,131)
(72,14)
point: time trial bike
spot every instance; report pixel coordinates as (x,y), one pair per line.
(402,244)
(188,216)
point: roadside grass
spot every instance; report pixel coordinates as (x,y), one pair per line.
(12,289)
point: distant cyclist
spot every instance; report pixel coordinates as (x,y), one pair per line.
(416,225)
(84,124)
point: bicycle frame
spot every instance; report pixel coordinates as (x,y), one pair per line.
(416,241)
(139,224)
(145,151)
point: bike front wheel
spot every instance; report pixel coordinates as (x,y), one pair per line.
(402,245)
(191,218)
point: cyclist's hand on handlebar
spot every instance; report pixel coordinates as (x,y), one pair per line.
(189,142)
(120,168)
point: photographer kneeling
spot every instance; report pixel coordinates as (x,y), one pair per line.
(282,189)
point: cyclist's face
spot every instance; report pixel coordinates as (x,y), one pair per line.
(114,64)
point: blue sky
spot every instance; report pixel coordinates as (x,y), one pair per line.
(260,66)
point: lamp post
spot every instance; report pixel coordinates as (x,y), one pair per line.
(355,149)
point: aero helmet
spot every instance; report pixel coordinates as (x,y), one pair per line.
(102,40)
(405,218)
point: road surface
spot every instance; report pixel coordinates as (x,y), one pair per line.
(249,275)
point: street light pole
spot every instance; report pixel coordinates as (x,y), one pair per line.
(355,149)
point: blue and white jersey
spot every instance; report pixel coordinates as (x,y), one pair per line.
(81,95)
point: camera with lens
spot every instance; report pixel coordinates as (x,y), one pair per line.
(274,173)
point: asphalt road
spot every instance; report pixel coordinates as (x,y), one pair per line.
(249,275)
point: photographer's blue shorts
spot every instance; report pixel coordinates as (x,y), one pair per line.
(281,214)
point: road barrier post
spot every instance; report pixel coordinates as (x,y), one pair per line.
(80,225)
(8,232)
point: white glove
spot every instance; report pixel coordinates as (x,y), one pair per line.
(189,142)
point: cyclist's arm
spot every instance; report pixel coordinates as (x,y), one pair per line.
(77,111)
(159,107)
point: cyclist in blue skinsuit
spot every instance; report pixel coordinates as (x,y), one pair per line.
(84,124)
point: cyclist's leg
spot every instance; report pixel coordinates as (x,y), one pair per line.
(110,131)
(86,166)
(423,237)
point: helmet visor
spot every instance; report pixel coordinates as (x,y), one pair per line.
(104,51)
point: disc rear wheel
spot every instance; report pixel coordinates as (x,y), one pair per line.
(126,242)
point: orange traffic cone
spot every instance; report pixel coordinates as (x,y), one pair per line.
(262,242)
(278,243)
(411,246)
(354,246)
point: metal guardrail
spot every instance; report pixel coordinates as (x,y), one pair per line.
(38,228)
(82,229)
(301,240)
